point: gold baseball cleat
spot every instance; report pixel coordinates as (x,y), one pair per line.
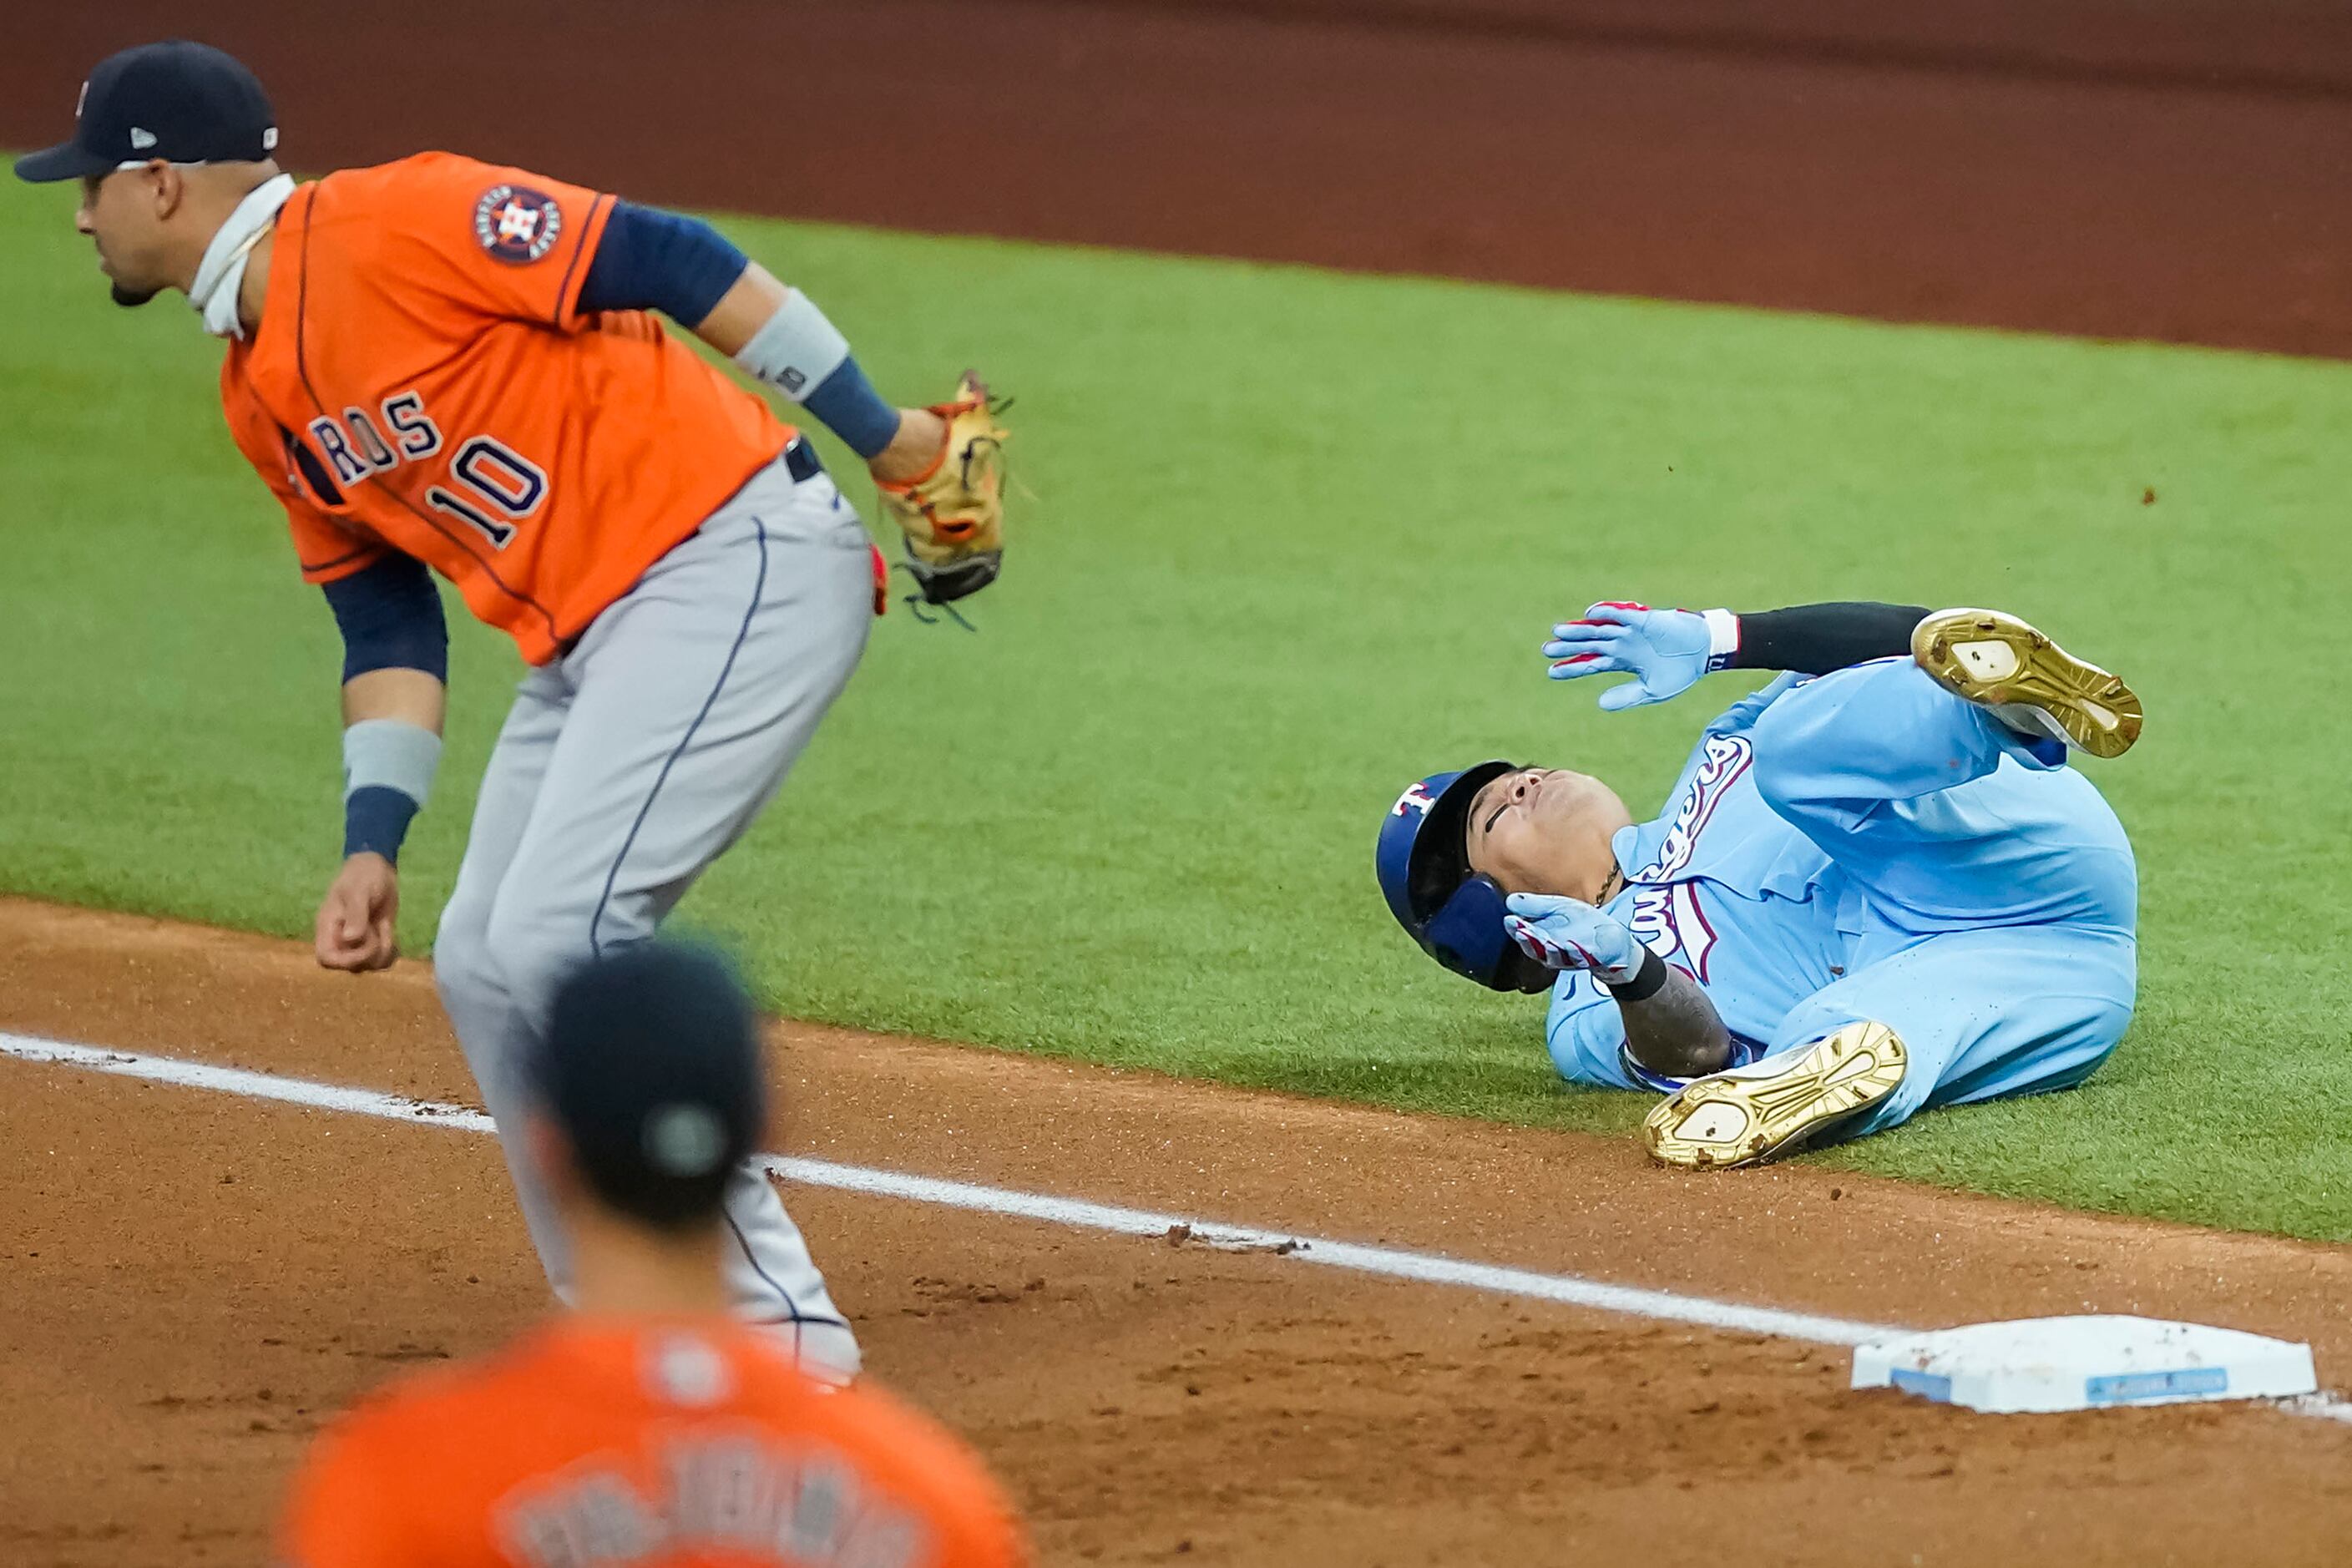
(1749,1114)
(1997,661)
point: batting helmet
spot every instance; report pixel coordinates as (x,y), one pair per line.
(1456,916)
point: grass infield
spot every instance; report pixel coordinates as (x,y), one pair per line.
(1295,540)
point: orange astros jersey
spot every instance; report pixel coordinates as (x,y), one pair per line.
(421,380)
(661,1444)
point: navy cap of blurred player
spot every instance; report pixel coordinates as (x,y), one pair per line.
(650,1075)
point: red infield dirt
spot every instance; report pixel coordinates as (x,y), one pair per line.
(2167,169)
(193,1282)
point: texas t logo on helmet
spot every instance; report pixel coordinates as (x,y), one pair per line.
(1417,798)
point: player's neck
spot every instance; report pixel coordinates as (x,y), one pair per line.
(256,286)
(622,1267)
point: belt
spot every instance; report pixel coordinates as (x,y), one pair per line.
(800,461)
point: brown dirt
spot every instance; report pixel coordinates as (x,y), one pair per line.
(193,1282)
(2136,168)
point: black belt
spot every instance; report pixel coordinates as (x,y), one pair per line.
(800,461)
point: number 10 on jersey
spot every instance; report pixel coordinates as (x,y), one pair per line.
(492,487)
(500,488)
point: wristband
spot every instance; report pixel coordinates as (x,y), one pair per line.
(1722,638)
(375,819)
(795,350)
(388,768)
(1646,983)
(849,407)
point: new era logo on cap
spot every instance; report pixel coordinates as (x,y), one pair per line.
(180,101)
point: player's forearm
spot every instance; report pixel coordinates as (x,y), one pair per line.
(1671,1028)
(409,696)
(755,296)
(392,749)
(1812,639)
(1667,651)
(395,663)
(779,335)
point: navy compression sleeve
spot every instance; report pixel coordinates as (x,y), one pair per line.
(391,619)
(648,259)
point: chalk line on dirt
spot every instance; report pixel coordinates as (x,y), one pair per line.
(1078,1214)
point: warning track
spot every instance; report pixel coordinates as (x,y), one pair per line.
(2161,169)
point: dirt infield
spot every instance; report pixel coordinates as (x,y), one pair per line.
(2135,168)
(193,1281)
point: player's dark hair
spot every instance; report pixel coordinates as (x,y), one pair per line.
(650,1069)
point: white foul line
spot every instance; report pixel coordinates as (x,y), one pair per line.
(1391,1262)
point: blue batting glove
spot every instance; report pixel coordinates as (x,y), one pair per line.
(1568,933)
(1664,650)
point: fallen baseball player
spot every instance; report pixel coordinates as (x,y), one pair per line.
(1876,887)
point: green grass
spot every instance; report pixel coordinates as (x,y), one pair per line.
(1295,540)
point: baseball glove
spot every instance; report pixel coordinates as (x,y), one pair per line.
(953,512)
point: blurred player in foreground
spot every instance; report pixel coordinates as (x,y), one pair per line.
(1876,887)
(648,1427)
(440,366)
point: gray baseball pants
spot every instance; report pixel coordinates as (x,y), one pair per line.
(627,765)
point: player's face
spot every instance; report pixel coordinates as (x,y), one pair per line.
(1547,830)
(119,212)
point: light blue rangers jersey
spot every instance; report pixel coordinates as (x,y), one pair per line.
(1724,889)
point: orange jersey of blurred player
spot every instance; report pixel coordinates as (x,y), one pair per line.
(604,1442)
(421,380)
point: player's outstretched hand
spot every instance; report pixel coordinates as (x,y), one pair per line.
(1664,650)
(942,482)
(1569,933)
(355,918)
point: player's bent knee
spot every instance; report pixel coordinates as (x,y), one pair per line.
(1777,784)
(533,949)
(828,1351)
(1784,780)
(461,964)
(1808,760)
(463,972)
(1784,737)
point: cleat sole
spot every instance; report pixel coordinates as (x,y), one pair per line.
(1996,660)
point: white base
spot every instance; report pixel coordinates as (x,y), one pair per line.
(2085,1364)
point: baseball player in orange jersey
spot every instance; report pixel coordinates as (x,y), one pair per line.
(440,365)
(649,1428)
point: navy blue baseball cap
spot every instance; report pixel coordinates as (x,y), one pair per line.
(183,102)
(1422,859)
(650,1069)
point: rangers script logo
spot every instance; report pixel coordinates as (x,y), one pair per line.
(1669,919)
(1726,758)
(1671,923)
